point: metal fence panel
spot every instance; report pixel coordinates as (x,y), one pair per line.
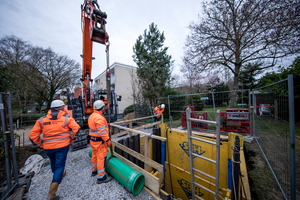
(272,131)
(204,106)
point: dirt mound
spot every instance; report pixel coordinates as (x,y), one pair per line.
(128,117)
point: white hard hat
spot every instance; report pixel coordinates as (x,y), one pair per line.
(162,106)
(57,103)
(98,104)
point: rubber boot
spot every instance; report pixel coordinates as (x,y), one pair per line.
(52,190)
(94,173)
(108,178)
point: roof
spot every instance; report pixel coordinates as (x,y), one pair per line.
(113,65)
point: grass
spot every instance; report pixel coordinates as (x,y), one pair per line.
(274,139)
(261,180)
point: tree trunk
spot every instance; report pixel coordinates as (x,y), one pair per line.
(233,93)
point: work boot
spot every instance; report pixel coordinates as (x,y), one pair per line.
(108,178)
(94,173)
(64,174)
(52,190)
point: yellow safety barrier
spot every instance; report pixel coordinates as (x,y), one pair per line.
(178,166)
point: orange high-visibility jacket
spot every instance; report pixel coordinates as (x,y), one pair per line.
(98,125)
(106,104)
(56,132)
(158,111)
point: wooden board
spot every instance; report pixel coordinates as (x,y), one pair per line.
(139,156)
(138,128)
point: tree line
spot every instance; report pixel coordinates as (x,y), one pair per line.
(34,74)
(232,43)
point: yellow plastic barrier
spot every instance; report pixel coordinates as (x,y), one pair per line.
(179,168)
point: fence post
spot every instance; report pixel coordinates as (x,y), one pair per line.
(12,138)
(213,97)
(169,110)
(8,176)
(249,97)
(253,112)
(292,135)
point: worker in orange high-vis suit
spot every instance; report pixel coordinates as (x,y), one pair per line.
(102,98)
(55,127)
(157,111)
(99,141)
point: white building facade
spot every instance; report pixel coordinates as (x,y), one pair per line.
(122,82)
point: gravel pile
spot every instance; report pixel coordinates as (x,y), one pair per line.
(78,183)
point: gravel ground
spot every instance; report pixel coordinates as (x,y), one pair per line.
(78,183)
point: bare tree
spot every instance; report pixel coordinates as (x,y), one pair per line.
(36,73)
(13,54)
(192,78)
(136,94)
(57,72)
(232,33)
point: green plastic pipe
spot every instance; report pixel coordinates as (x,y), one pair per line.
(131,179)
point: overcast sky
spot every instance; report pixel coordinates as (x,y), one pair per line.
(57,24)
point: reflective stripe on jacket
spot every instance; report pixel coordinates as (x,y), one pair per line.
(56,130)
(98,125)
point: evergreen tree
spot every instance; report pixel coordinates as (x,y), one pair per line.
(154,64)
(248,80)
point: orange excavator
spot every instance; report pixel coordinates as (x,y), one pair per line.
(93,22)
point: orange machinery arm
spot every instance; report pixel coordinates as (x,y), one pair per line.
(93,22)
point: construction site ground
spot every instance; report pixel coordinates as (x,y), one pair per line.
(78,184)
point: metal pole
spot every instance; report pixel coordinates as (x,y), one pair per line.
(189,132)
(292,135)
(218,125)
(12,138)
(253,111)
(213,97)
(5,144)
(169,111)
(249,97)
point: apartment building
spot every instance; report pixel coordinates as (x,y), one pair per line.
(122,82)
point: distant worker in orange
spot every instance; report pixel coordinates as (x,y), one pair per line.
(102,98)
(55,127)
(99,141)
(157,111)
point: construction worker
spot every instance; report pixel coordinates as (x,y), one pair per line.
(157,111)
(99,141)
(55,127)
(102,98)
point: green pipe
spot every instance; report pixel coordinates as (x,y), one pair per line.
(131,179)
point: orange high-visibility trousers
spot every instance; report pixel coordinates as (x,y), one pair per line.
(99,157)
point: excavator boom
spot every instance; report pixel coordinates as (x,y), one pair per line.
(93,22)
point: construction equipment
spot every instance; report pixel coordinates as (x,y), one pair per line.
(236,120)
(93,22)
(202,115)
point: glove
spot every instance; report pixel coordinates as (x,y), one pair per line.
(41,146)
(108,142)
(72,140)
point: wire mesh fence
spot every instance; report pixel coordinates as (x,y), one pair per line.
(205,105)
(272,119)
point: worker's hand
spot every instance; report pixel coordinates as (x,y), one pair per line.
(108,143)
(41,146)
(72,140)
